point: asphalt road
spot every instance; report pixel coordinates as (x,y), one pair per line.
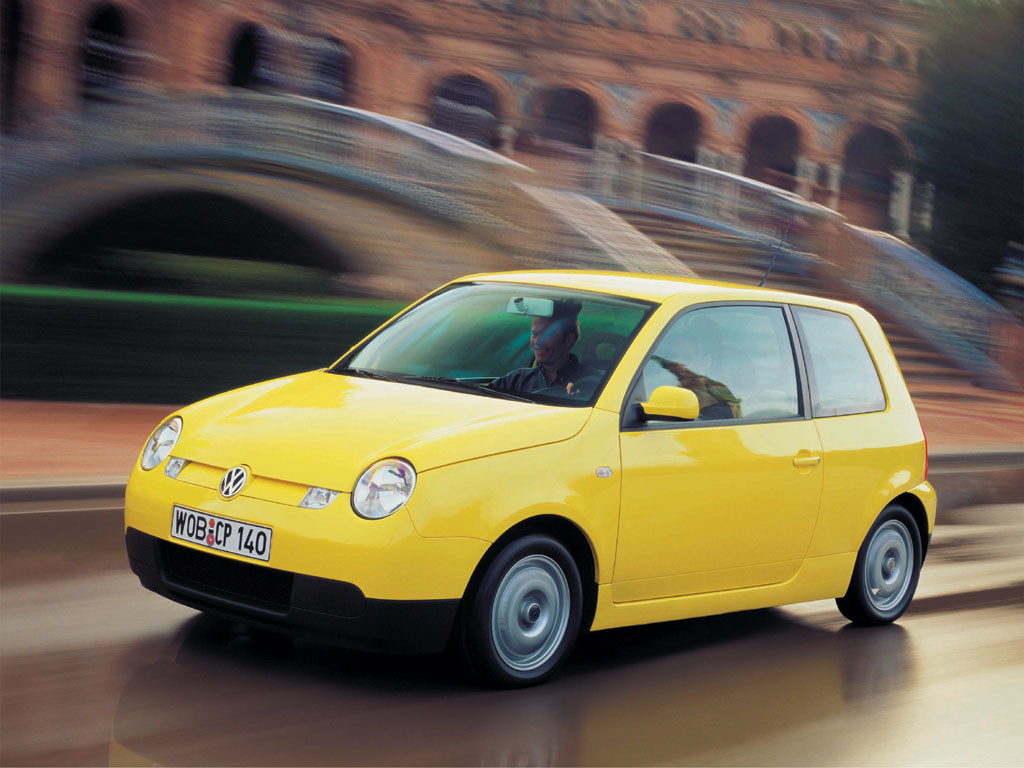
(94,670)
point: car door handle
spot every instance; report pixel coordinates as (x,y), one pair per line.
(806,461)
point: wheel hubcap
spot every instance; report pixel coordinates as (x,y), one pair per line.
(530,612)
(888,565)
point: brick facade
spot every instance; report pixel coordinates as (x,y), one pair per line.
(821,73)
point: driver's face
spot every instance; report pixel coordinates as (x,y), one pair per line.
(549,340)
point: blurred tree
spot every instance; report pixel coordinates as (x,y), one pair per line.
(970,134)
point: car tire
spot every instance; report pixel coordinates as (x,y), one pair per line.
(522,619)
(887,570)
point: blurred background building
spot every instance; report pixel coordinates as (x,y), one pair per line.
(806,96)
(359,148)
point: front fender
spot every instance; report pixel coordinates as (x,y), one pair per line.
(483,498)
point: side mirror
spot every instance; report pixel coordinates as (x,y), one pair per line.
(672,403)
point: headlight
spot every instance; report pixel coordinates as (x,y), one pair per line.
(383,488)
(161,443)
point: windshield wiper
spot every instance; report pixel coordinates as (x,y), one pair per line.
(470,385)
(365,373)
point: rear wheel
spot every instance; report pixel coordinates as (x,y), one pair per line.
(888,567)
(523,618)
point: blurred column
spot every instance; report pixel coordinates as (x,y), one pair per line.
(731,162)
(605,164)
(195,49)
(707,157)
(835,178)
(807,176)
(924,204)
(50,71)
(630,170)
(899,203)
(507,139)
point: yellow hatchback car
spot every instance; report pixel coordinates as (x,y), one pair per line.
(520,457)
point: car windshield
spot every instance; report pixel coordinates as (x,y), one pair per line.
(535,343)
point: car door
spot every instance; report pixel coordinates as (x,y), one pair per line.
(729,500)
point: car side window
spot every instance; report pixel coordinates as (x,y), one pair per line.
(843,378)
(737,359)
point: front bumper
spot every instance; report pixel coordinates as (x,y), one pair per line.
(284,600)
(386,558)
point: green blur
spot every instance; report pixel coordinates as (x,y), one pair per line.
(81,344)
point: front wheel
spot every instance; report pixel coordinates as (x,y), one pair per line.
(888,566)
(523,618)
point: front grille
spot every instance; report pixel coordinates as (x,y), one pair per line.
(254,584)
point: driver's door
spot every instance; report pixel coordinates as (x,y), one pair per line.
(729,500)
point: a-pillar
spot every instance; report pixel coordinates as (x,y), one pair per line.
(899,203)
(807,177)
(835,179)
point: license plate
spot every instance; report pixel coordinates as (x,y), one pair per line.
(221,533)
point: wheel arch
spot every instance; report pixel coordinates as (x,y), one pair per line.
(570,535)
(916,508)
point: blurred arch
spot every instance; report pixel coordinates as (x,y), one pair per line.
(871,157)
(12,29)
(873,49)
(901,57)
(674,130)
(773,144)
(808,42)
(105,53)
(182,221)
(832,47)
(332,72)
(466,106)
(568,115)
(784,38)
(248,56)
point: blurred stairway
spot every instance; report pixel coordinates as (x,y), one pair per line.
(715,255)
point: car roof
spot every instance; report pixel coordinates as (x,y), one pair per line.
(656,288)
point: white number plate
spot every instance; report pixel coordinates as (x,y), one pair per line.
(221,533)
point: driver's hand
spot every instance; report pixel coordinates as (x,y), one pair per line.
(576,388)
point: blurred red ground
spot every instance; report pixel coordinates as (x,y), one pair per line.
(56,443)
(71,443)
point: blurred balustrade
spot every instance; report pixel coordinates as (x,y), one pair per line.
(731,227)
(475,193)
(539,213)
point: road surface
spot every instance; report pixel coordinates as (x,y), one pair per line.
(95,671)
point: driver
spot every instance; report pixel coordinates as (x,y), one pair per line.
(551,339)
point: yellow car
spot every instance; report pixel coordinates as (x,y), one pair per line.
(520,457)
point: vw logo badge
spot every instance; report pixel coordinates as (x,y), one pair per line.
(233,481)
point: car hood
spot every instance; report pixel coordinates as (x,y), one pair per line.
(324,429)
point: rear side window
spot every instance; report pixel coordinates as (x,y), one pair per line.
(842,375)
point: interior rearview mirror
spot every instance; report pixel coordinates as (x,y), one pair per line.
(673,403)
(530,306)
